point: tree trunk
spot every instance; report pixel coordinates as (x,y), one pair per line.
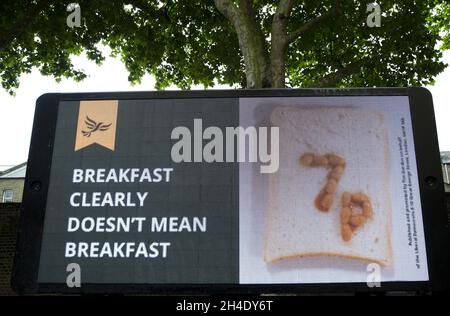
(251,41)
(277,66)
(279,43)
(261,70)
(253,48)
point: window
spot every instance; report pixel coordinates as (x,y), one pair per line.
(7,196)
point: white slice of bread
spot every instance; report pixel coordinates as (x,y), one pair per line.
(295,228)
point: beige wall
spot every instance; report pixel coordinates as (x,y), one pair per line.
(12,184)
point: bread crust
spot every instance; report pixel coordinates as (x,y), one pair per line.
(328,254)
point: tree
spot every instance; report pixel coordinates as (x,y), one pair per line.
(254,44)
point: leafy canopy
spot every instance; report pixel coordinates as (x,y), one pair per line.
(186,42)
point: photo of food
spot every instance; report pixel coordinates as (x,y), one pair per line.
(336,205)
(321,162)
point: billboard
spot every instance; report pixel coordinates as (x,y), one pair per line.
(277,190)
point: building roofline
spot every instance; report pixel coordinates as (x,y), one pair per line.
(445,157)
(12,169)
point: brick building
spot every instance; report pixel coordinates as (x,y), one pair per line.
(11,190)
(9,219)
(11,184)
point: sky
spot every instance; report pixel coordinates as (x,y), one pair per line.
(16,112)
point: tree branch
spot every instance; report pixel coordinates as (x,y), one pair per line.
(316,22)
(280,21)
(251,40)
(228,10)
(279,42)
(284,8)
(246,6)
(7,36)
(334,78)
(139,4)
(144,6)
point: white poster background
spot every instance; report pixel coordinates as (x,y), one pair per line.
(253,204)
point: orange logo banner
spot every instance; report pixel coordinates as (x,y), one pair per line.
(97,122)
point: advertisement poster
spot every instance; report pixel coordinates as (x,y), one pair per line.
(279,190)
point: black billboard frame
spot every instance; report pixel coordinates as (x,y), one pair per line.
(436,225)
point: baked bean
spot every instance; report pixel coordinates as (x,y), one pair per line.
(345,215)
(367,209)
(326,202)
(318,201)
(320,160)
(346,199)
(359,198)
(336,173)
(349,203)
(331,186)
(307,159)
(346,232)
(357,220)
(335,160)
